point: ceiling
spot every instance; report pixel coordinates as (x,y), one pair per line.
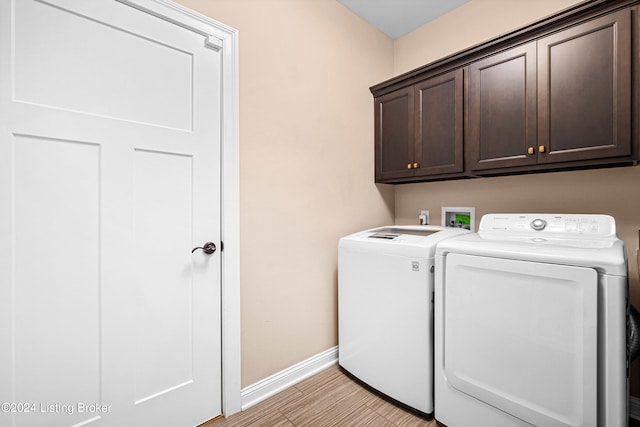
(396,18)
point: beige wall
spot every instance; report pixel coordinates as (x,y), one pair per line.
(469,25)
(306,152)
(306,172)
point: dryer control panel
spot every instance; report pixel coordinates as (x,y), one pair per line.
(594,225)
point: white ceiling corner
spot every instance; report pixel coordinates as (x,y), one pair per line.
(396,18)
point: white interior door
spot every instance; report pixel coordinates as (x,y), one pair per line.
(110,175)
(522,337)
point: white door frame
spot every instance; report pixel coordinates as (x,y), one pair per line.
(225,39)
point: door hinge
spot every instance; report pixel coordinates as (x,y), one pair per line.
(221,245)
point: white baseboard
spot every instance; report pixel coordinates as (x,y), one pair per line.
(274,384)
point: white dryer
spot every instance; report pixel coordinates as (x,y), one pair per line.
(530,323)
(385,309)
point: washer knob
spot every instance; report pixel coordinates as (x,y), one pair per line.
(538,224)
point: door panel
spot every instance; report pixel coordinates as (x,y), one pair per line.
(522,336)
(394,134)
(56,276)
(439,132)
(164,285)
(111,139)
(502,109)
(61,70)
(584,90)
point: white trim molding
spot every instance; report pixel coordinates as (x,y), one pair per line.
(225,39)
(274,384)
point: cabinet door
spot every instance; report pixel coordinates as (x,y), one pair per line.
(394,134)
(438,137)
(502,110)
(584,91)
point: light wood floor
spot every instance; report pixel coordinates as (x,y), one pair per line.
(329,398)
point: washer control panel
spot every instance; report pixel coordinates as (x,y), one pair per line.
(569,224)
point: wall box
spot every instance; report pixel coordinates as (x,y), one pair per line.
(459,217)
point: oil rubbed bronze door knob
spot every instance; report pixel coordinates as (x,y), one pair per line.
(208,248)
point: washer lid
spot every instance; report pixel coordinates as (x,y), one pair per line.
(580,240)
(401,240)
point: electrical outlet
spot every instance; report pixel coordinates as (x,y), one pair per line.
(423,219)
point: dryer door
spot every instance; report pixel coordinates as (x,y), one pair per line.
(522,336)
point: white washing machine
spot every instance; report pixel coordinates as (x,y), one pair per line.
(530,323)
(385,309)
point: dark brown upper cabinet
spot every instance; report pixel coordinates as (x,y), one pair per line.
(557,94)
(580,111)
(439,125)
(584,91)
(419,130)
(394,135)
(501,125)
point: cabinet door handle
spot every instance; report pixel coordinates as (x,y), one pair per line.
(541,149)
(416,165)
(530,150)
(409,166)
